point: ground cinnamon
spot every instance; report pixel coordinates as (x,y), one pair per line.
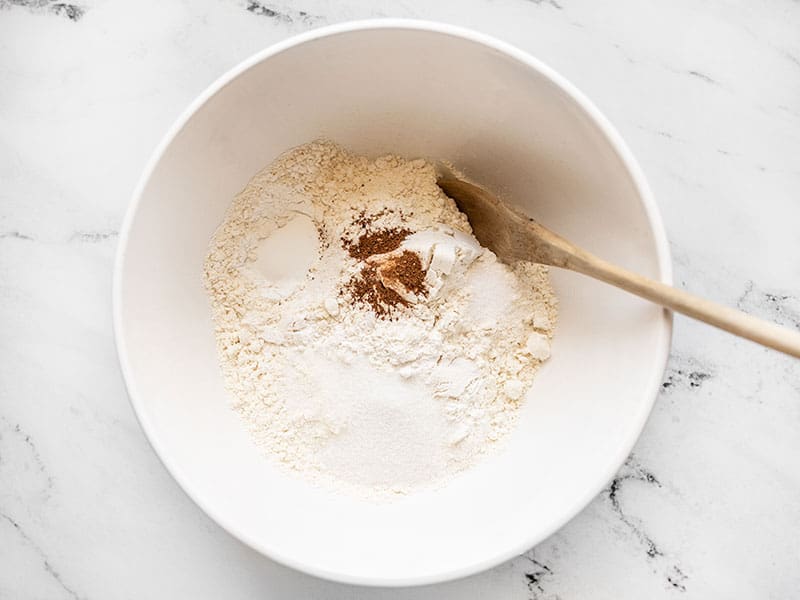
(404,269)
(376,242)
(367,288)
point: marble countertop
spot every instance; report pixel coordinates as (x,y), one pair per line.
(706,94)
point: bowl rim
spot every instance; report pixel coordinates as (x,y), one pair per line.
(616,142)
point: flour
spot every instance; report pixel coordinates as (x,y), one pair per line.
(367,339)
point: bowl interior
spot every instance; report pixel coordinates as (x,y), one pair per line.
(418,91)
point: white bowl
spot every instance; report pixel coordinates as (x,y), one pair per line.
(511,123)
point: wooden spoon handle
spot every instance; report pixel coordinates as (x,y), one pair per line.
(724,317)
(554,250)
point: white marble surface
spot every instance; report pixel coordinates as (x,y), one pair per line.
(706,93)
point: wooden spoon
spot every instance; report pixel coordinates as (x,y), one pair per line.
(513,237)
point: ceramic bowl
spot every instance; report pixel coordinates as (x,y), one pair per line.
(510,123)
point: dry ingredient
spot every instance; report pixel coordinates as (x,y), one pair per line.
(367,339)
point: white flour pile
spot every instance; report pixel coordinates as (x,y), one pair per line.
(366,337)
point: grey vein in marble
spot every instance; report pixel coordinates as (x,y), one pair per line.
(285,16)
(677,579)
(73,12)
(703,77)
(15,235)
(633,471)
(777,306)
(16,432)
(537,576)
(552,3)
(80,237)
(664,134)
(46,564)
(93,237)
(15,435)
(689,375)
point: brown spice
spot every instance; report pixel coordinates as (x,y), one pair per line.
(376,242)
(366,287)
(402,272)
(365,220)
(406,270)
